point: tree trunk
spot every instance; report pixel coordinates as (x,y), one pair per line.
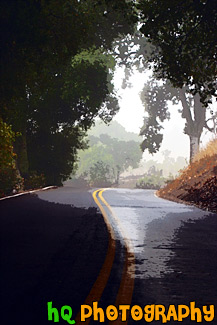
(118,177)
(194,146)
(194,126)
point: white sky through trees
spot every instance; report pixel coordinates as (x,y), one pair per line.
(132,112)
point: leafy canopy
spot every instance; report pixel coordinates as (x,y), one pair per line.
(185,40)
(56,75)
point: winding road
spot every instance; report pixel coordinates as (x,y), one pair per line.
(114,246)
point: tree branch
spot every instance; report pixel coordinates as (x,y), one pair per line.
(207,127)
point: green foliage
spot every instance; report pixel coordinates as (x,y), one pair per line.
(9,178)
(39,38)
(124,153)
(114,130)
(55,129)
(54,153)
(93,56)
(184,36)
(100,175)
(56,76)
(116,154)
(7,137)
(92,155)
(155,97)
(34,181)
(119,155)
(153,182)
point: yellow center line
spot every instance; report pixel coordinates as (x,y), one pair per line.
(125,292)
(102,279)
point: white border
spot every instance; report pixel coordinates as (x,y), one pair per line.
(28,192)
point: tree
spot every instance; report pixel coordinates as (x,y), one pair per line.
(9,179)
(54,155)
(119,155)
(39,38)
(155,97)
(92,155)
(100,174)
(134,51)
(114,130)
(55,72)
(185,38)
(67,110)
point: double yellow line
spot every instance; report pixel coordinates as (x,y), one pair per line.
(125,291)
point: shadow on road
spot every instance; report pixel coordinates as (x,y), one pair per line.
(49,252)
(192,269)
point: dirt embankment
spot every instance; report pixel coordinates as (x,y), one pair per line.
(197,184)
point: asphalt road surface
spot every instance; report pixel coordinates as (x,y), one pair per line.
(118,246)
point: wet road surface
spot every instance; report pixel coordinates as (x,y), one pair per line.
(54,244)
(175,248)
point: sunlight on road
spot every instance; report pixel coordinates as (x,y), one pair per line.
(150,223)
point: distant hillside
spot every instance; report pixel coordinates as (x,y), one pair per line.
(197,184)
(114,130)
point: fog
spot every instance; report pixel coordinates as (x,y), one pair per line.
(132,112)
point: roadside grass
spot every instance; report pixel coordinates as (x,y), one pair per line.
(209,150)
(196,184)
